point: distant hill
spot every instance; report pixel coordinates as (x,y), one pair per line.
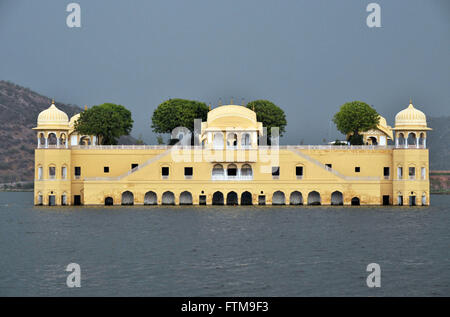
(19,109)
(439,143)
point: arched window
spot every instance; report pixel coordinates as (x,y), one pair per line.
(245,140)
(52,172)
(424,198)
(218,140)
(40,173)
(422,140)
(62,139)
(373,140)
(64,199)
(64,172)
(412,139)
(232,140)
(41,140)
(40,200)
(246,171)
(401,140)
(231,170)
(52,140)
(85,140)
(218,172)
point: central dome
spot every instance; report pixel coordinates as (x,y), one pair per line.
(232,116)
(53,117)
(410,118)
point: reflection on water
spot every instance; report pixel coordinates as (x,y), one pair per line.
(223,251)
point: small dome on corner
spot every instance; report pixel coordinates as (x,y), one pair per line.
(53,117)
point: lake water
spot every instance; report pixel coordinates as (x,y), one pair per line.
(223,251)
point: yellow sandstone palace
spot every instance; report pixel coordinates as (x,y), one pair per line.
(231,165)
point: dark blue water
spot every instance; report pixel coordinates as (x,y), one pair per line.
(223,251)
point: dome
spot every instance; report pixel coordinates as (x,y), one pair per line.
(231,115)
(410,118)
(53,117)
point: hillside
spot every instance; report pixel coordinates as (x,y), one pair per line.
(439,143)
(19,109)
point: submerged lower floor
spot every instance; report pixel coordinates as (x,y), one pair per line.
(86,193)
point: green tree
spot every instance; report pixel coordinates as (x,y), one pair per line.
(355,117)
(107,121)
(175,113)
(269,114)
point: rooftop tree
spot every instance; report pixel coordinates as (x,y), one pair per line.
(269,114)
(107,121)
(355,117)
(174,113)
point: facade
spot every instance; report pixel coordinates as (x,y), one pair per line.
(231,165)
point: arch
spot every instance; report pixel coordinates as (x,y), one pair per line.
(150,198)
(40,199)
(52,171)
(168,198)
(245,140)
(218,170)
(337,198)
(127,198)
(40,170)
(185,198)
(217,198)
(62,138)
(52,140)
(278,198)
(85,140)
(314,198)
(373,140)
(246,198)
(232,198)
(232,139)
(422,139)
(231,170)
(356,201)
(296,198)
(109,201)
(412,138)
(64,171)
(246,170)
(218,140)
(41,139)
(424,198)
(401,139)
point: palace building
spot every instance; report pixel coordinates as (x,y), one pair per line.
(232,165)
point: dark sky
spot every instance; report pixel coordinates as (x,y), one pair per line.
(308,57)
